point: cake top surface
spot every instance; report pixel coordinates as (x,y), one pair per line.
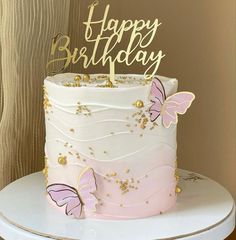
(100,80)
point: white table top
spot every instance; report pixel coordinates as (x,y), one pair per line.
(204,210)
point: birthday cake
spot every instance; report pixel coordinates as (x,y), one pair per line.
(110,147)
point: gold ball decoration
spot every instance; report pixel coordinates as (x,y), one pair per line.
(86,77)
(62,160)
(77,78)
(178,190)
(139,104)
(177,177)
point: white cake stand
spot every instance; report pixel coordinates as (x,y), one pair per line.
(204,210)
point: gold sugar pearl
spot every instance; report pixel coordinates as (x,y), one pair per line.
(139,104)
(86,77)
(62,160)
(178,190)
(77,78)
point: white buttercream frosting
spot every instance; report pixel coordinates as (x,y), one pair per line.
(102,128)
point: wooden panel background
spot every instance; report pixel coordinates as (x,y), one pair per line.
(26,31)
(198,38)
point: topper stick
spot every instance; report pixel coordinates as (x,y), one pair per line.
(112,71)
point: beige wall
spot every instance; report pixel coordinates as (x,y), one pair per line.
(198,38)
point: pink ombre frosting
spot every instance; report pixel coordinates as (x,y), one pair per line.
(133,160)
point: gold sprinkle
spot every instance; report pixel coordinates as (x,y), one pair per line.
(138,181)
(101,204)
(144,123)
(141,135)
(128,125)
(108,195)
(112,133)
(178,190)
(124,186)
(83,109)
(84,160)
(72,130)
(127,170)
(139,104)
(62,160)
(46,103)
(105,152)
(121,205)
(113,174)
(147,202)
(70,153)
(146,176)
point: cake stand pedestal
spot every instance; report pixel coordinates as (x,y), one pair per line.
(204,210)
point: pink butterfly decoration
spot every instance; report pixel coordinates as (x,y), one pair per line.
(169,107)
(76,201)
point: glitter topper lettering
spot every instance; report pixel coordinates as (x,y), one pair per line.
(111,33)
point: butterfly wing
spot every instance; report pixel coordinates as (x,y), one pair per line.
(158,97)
(87,188)
(177,103)
(63,195)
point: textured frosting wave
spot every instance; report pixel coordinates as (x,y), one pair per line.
(101,128)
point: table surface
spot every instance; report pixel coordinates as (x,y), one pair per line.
(204,210)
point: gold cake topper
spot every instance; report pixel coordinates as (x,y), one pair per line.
(111,34)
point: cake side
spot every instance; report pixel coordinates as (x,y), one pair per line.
(110,131)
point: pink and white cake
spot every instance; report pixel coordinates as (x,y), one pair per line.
(110,149)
